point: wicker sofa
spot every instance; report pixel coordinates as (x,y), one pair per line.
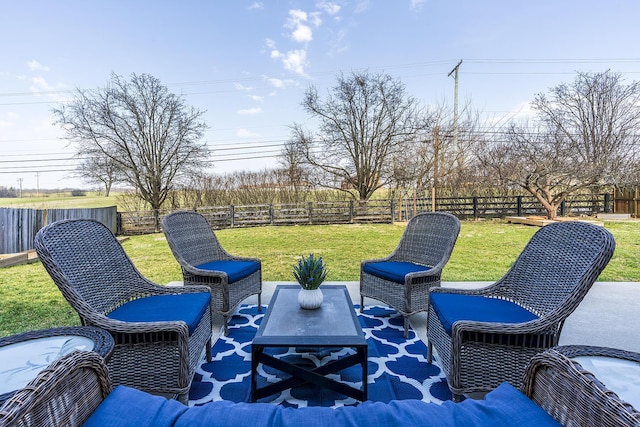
(76,390)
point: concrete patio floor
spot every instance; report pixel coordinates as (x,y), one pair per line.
(608,316)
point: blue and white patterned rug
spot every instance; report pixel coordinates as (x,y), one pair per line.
(398,367)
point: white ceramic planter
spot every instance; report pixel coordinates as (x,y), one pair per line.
(310,299)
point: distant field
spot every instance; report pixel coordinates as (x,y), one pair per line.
(61,200)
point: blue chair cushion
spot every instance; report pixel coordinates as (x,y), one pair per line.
(188,308)
(393,271)
(236,270)
(453,307)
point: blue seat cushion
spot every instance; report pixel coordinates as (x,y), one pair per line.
(453,307)
(236,270)
(393,271)
(188,308)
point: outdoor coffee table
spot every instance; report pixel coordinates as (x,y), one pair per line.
(285,325)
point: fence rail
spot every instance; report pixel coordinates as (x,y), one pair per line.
(374,211)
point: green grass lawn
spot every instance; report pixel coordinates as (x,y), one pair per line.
(484,251)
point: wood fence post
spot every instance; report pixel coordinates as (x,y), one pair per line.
(232,212)
(393,210)
(519,206)
(156,220)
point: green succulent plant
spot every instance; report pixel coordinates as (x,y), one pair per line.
(310,272)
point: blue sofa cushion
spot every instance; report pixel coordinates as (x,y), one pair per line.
(236,270)
(188,308)
(453,307)
(504,406)
(126,406)
(393,271)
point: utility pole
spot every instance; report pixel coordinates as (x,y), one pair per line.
(37,184)
(455,108)
(20,184)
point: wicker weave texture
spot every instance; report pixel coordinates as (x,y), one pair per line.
(102,341)
(193,242)
(64,394)
(427,240)
(550,278)
(574,396)
(95,275)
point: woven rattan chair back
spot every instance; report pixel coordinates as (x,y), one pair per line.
(428,239)
(557,267)
(192,239)
(88,265)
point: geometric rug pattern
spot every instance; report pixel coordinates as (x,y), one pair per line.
(397,368)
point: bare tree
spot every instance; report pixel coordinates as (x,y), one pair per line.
(598,116)
(537,160)
(363,122)
(435,159)
(149,133)
(584,137)
(291,160)
(97,168)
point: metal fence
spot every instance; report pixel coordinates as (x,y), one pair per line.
(374,211)
(18,226)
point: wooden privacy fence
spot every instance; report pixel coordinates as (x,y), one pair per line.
(374,211)
(18,226)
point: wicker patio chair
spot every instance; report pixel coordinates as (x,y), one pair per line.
(205,262)
(160,332)
(403,279)
(574,396)
(487,336)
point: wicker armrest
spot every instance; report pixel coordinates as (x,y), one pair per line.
(64,394)
(574,396)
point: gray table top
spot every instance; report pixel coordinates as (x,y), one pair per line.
(335,323)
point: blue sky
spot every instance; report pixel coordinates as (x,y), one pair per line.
(247,63)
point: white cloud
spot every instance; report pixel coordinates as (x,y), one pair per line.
(329,7)
(36,66)
(249,111)
(39,84)
(362,6)
(256,5)
(416,4)
(315,19)
(270,43)
(279,83)
(240,86)
(296,16)
(302,34)
(297,23)
(256,98)
(294,60)
(246,133)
